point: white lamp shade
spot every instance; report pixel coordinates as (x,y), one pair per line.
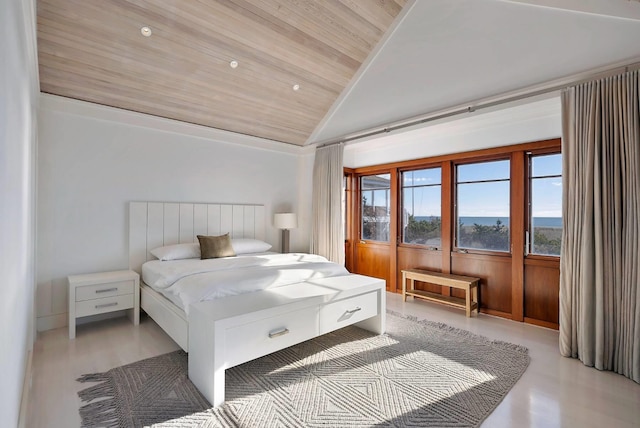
(285,221)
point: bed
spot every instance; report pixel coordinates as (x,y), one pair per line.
(222,330)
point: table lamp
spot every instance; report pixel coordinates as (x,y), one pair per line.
(285,221)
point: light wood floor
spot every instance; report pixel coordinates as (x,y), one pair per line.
(553,392)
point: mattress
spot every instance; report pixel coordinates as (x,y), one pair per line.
(173,298)
(188,281)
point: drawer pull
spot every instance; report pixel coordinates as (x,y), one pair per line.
(353,311)
(106,305)
(106,290)
(275,334)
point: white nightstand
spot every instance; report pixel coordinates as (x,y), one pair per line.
(99,293)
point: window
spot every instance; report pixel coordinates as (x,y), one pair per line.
(545,204)
(421,207)
(374,190)
(482,205)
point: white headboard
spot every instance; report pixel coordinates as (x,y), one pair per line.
(154,224)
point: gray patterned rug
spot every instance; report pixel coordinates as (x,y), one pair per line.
(419,374)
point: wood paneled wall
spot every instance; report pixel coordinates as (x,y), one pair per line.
(513,285)
(414,257)
(374,260)
(541,291)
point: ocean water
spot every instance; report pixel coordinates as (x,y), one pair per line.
(490,221)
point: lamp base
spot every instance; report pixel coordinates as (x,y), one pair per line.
(285,241)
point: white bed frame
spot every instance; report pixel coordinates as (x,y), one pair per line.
(222,333)
(155,224)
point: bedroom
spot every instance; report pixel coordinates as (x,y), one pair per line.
(122,156)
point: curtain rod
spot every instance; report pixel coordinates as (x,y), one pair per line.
(545,88)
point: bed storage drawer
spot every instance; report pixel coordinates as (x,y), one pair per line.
(226,332)
(348,311)
(106,304)
(99,291)
(255,339)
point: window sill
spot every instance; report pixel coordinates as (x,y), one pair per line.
(469,251)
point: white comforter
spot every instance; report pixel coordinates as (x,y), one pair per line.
(194,280)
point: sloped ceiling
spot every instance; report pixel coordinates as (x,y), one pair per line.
(447,53)
(359,64)
(94,50)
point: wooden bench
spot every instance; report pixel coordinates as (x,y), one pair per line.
(467,283)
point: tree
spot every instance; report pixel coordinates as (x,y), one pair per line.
(374,223)
(543,244)
(494,237)
(420,231)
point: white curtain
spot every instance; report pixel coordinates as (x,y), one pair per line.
(327,234)
(600,259)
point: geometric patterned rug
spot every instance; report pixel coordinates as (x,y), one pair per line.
(418,374)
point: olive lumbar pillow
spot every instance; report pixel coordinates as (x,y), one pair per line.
(212,247)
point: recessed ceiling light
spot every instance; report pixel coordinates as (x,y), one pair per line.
(233,63)
(146,31)
(296,87)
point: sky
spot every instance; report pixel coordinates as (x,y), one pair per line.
(485,199)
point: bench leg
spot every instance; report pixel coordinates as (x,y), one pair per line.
(475,298)
(468,297)
(404,287)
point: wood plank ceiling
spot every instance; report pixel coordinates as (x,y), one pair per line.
(93,50)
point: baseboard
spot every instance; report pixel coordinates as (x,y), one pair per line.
(541,323)
(26,390)
(496,313)
(52,321)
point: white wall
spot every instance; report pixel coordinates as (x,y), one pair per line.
(93,160)
(18,100)
(531,121)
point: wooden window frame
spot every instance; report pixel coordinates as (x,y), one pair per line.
(519,199)
(400,195)
(528,192)
(391,208)
(454,191)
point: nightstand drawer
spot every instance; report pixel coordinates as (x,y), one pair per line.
(99,291)
(105,304)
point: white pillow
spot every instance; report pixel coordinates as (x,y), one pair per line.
(177,251)
(244,246)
